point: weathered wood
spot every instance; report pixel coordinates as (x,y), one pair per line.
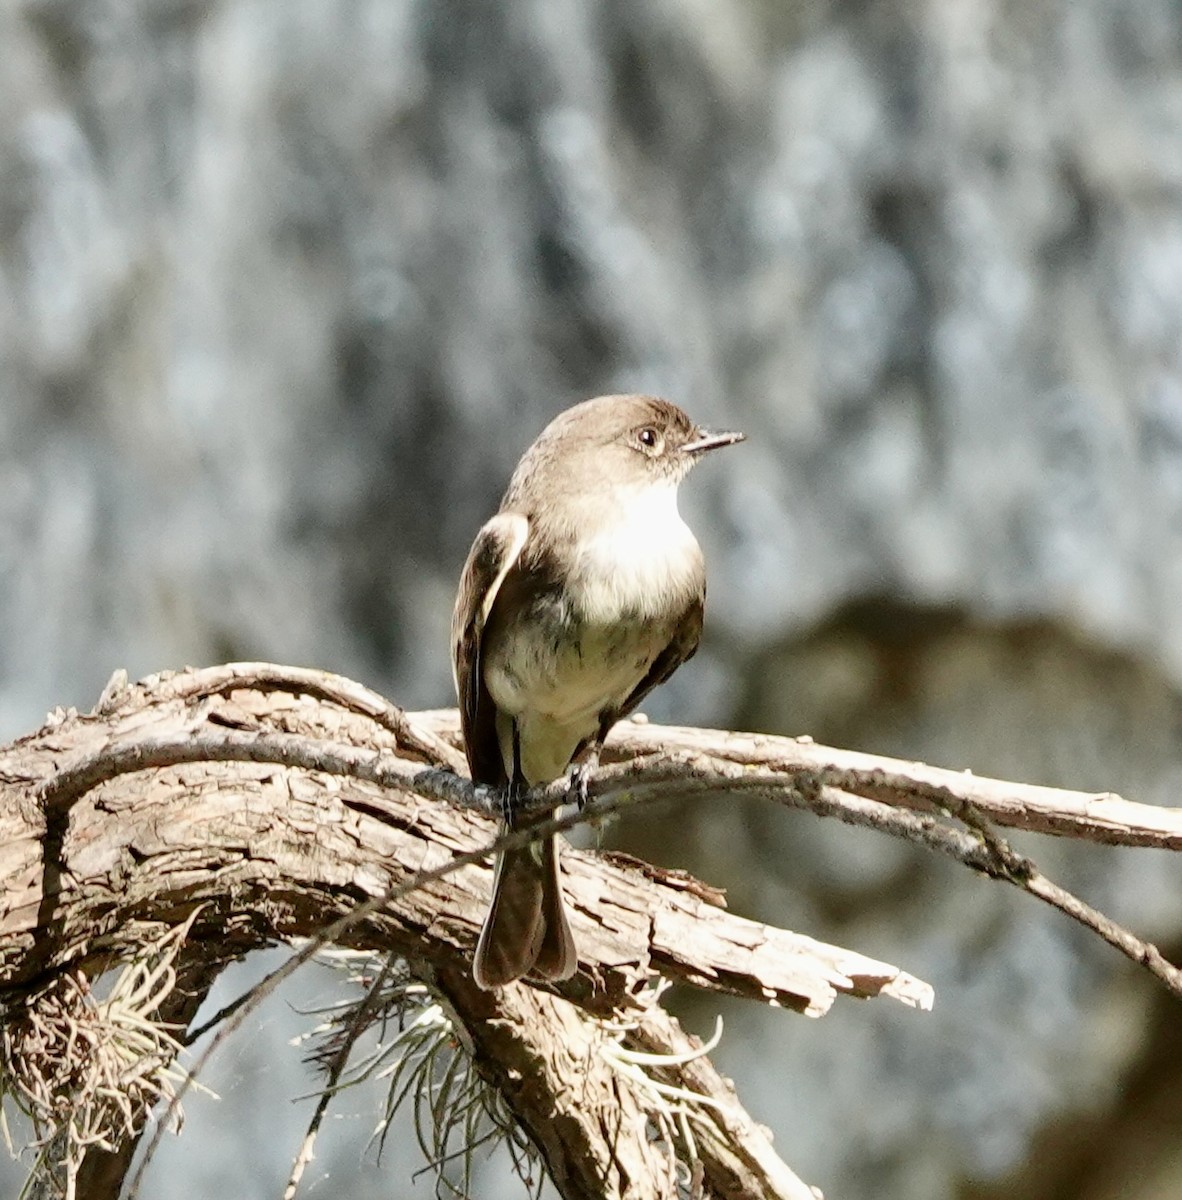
(274,801)
(275,851)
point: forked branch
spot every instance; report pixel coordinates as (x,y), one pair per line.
(287,803)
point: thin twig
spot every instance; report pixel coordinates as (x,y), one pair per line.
(359,1021)
(613,788)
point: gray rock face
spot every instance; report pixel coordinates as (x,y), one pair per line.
(286,287)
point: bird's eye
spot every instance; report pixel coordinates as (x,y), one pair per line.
(650,440)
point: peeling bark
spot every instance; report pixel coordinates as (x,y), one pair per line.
(267,803)
(180,793)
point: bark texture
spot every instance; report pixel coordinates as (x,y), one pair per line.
(285,288)
(262,804)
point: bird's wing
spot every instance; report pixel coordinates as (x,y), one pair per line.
(680,649)
(494,553)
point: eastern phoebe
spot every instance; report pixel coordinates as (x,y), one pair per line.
(582,594)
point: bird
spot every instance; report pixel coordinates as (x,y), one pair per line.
(579,596)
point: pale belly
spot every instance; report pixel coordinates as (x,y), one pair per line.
(556,688)
(562,664)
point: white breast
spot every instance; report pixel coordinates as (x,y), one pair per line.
(556,671)
(647,558)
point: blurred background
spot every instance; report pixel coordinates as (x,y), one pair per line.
(286,286)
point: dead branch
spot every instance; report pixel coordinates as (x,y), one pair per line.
(1088,816)
(265,804)
(287,803)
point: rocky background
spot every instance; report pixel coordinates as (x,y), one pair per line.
(285,288)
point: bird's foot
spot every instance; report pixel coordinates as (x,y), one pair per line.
(580,779)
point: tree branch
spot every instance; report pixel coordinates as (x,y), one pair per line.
(288,803)
(274,802)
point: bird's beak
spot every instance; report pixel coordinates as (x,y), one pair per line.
(705,440)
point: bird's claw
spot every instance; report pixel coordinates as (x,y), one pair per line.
(580,781)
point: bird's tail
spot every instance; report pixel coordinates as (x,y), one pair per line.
(526,931)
